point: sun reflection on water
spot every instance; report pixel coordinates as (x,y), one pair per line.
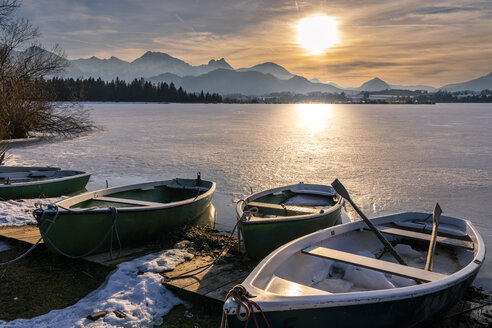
(313,117)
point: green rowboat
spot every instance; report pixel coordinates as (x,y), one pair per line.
(18,182)
(274,217)
(114,218)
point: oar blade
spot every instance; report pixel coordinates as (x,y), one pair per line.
(340,189)
(437,213)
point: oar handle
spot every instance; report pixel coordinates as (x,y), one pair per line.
(436,214)
(340,189)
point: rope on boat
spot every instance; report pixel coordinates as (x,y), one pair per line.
(239,295)
(112,230)
(37,243)
(247,214)
(114,215)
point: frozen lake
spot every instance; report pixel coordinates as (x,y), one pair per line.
(391,158)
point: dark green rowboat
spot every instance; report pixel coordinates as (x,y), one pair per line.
(117,217)
(18,182)
(274,217)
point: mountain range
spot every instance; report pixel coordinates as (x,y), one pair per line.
(482,83)
(220,77)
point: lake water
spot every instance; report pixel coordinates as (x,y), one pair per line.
(391,158)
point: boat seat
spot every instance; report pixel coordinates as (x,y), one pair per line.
(301,210)
(127,201)
(374,264)
(427,237)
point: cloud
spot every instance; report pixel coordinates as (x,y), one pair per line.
(395,40)
(444,10)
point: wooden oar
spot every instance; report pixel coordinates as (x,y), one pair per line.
(340,189)
(432,246)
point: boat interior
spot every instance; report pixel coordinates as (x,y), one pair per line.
(11,177)
(7,169)
(148,195)
(292,202)
(356,260)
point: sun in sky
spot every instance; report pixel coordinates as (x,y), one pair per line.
(317,33)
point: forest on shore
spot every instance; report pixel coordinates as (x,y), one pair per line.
(139,90)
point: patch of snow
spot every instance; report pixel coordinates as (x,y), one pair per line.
(308,200)
(366,278)
(134,288)
(334,285)
(19,212)
(343,278)
(4,246)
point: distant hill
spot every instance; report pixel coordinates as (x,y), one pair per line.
(376,84)
(270,68)
(226,82)
(147,65)
(482,83)
(263,79)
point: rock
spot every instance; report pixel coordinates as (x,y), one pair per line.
(183,244)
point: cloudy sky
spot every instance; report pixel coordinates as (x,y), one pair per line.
(402,42)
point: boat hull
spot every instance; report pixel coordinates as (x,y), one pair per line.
(45,189)
(283,223)
(50,186)
(260,239)
(407,312)
(79,231)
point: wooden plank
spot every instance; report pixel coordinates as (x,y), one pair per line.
(127,201)
(189,268)
(28,234)
(305,210)
(374,264)
(118,256)
(221,292)
(21,233)
(216,279)
(214,282)
(30,239)
(426,237)
(202,279)
(209,280)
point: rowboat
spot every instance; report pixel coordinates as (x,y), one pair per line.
(119,217)
(17,182)
(342,277)
(271,218)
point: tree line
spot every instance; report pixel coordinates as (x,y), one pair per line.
(139,90)
(442,96)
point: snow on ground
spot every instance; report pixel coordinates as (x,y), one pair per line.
(134,288)
(19,212)
(4,246)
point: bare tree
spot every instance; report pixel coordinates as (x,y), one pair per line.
(26,105)
(3,153)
